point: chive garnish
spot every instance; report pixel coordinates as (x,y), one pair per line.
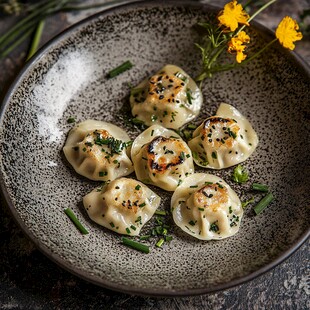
(193,186)
(120,69)
(192,126)
(263,203)
(189,96)
(160,212)
(244,204)
(127,230)
(137,121)
(145,237)
(260,187)
(136,91)
(138,187)
(160,242)
(214,155)
(75,221)
(214,227)
(70,120)
(142,205)
(136,245)
(195,155)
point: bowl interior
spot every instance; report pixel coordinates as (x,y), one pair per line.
(68,79)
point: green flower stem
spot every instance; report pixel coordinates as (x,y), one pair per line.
(215,56)
(235,65)
(262,9)
(256,13)
(207,71)
(259,52)
(36,40)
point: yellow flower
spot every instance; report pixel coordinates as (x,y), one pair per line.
(287,33)
(236,45)
(232,15)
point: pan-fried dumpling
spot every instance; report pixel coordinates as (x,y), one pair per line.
(161,158)
(205,207)
(99,150)
(223,140)
(169,98)
(124,205)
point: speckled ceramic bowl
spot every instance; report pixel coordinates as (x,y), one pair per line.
(67,79)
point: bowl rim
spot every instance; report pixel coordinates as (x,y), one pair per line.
(118,6)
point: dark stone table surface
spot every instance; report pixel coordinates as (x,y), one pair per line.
(29,280)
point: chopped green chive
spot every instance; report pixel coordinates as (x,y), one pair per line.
(182,156)
(214,155)
(112,224)
(138,187)
(160,212)
(244,204)
(138,220)
(136,91)
(70,120)
(193,186)
(214,227)
(145,237)
(137,122)
(189,96)
(192,223)
(260,187)
(127,230)
(187,134)
(133,227)
(168,238)
(201,209)
(120,69)
(152,133)
(263,203)
(142,205)
(129,143)
(75,221)
(103,173)
(153,118)
(191,126)
(160,242)
(136,245)
(195,155)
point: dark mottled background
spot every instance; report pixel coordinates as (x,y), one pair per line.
(29,280)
